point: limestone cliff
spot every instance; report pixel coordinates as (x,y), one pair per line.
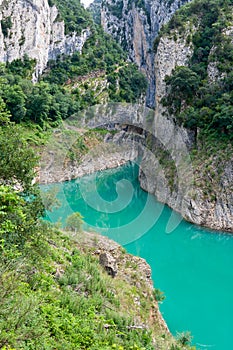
(202,193)
(135,24)
(32,27)
(201,187)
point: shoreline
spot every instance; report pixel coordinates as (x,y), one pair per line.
(91,164)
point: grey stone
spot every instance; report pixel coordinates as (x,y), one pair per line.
(37,32)
(109,263)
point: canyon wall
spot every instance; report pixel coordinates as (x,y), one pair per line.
(34,28)
(202,196)
(135,25)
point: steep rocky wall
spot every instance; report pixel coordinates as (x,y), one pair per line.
(202,197)
(136,26)
(32,27)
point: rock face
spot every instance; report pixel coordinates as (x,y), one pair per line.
(136,26)
(32,27)
(188,192)
(109,263)
(57,169)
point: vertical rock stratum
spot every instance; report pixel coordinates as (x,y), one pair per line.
(135,24)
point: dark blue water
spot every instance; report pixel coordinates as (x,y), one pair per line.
(191,265)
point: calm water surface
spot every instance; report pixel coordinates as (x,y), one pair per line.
(191,265)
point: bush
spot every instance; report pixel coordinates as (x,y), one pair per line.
(74,222)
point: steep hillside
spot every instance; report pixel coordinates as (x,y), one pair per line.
(72,62)
(194,90)
(190,85)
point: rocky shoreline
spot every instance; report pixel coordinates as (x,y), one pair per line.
(212,209)
(189,202)
(102,158)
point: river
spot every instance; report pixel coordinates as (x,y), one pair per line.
(191,265)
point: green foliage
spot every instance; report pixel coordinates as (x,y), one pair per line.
(158,295)
(22,67)
(183,84)
(17,160)
(4,113)
(24,101)
(74,222)
(15,101)
(76,18)
(127,84)
(6,24)
(196,101)
(18,210)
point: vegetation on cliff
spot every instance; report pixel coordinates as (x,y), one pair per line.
(70,83)
(73,13)
(201,94)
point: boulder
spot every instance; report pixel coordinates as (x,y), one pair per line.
(109,263)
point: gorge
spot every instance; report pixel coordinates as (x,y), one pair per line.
(151,85)
(50,37)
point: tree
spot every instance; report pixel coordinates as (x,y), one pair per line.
(182,85)
(20,202)
(39,103)
(17,161)
(74,222)
(15,99)
(12,216)
(4,113)
(22,67)
(223,119)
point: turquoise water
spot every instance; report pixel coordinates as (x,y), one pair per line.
(191,265)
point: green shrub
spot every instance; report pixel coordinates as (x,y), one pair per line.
(6,25)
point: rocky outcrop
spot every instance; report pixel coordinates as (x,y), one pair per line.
(109,263)
(58,171)
(209,206)
(135,25)
(136,274)
(32,27)
(173,50)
